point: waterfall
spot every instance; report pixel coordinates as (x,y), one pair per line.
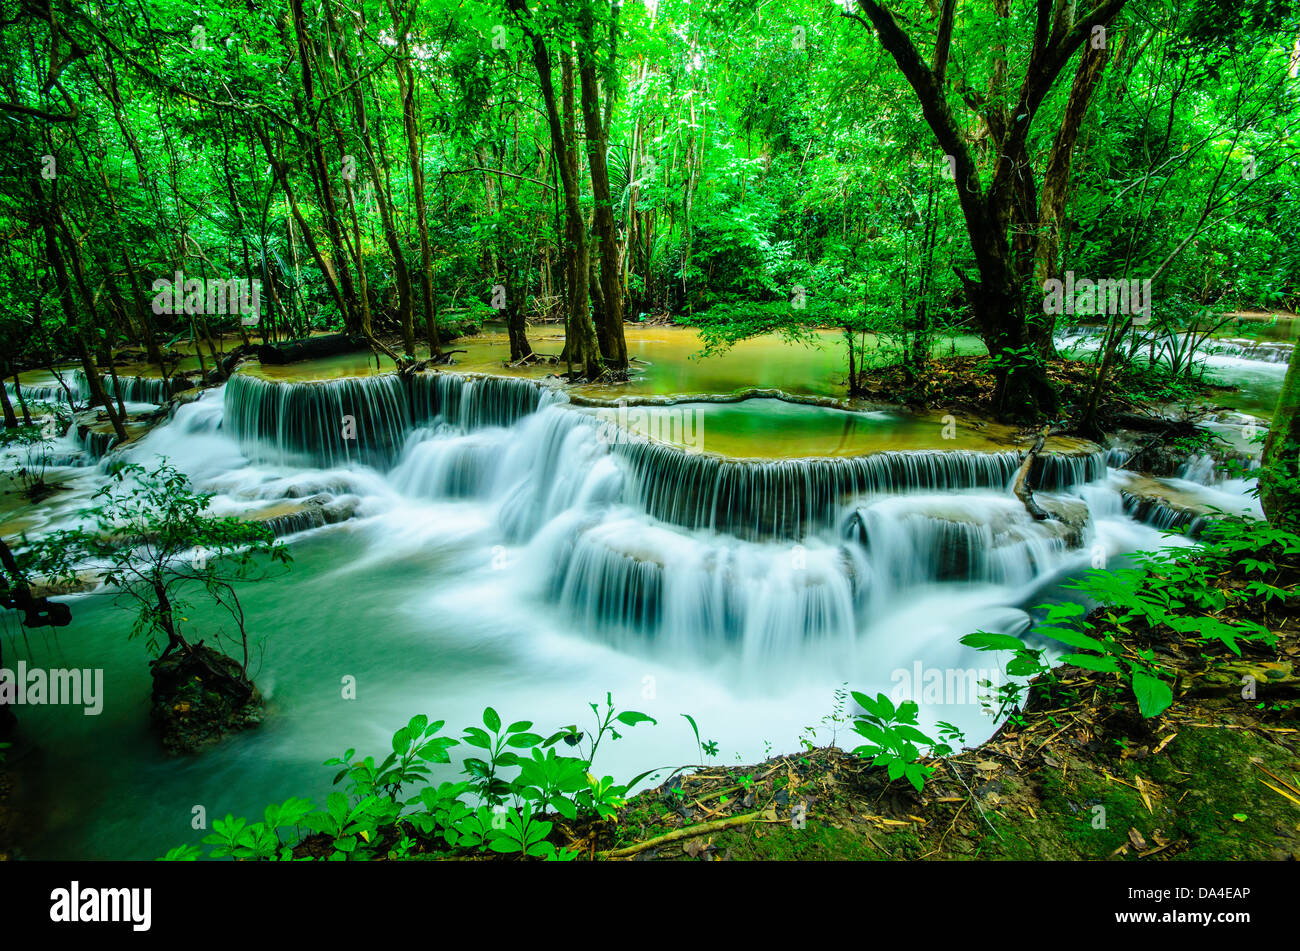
(695,596)
(1267,351)
(971,538)
(1203,468)
(640,543)
(132,389)
(646,542)
(39,393)
(705,592)
(1165,518)
(326,424)
(450,435)
(475,402)
(366,419)
(789,498)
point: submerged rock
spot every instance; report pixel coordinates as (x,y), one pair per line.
(315,512)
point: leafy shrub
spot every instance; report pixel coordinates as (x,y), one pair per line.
(500,807)
(1170,591)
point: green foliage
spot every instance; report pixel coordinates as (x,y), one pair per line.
(153,538)
(500,807)
(1281,480)
(32,443)
(892,736)
(499,745)
(705,748)
(413,746)
(1173,592)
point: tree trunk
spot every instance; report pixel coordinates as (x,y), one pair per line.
(1051,201)
(384,201)
(11,419)
(580,345)
(47,218)
(97,395)
(613,345)
(997,297)
(406,91)
(320,173)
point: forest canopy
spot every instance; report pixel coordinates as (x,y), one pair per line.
(403,171)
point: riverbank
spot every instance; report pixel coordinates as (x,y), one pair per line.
(1212,780)
(1078,773)
(967,383)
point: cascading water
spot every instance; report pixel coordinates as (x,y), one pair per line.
(788,498)
(649,547)
(481,541)
(368,419)
(132,389)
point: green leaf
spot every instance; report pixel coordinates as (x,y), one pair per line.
(872,732)
(1073,638)
(1103,665)
(912,733)
(867,704)
(915,774)
(491,720)
(993,642)
(1153,695)
(337,804)
(632,718)
(1023,666)
(524,740)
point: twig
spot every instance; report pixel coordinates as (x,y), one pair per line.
(676,835)
(973,798)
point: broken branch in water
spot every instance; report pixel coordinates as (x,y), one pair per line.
(1022,488)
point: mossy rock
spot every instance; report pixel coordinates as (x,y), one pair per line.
(456,329)
(199,696)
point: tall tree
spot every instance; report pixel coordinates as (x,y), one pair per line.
(1003,211)
(580,346)
(596,120)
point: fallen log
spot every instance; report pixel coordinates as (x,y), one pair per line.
(310,348)
(1021,486)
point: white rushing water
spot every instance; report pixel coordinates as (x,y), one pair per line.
(506,549)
